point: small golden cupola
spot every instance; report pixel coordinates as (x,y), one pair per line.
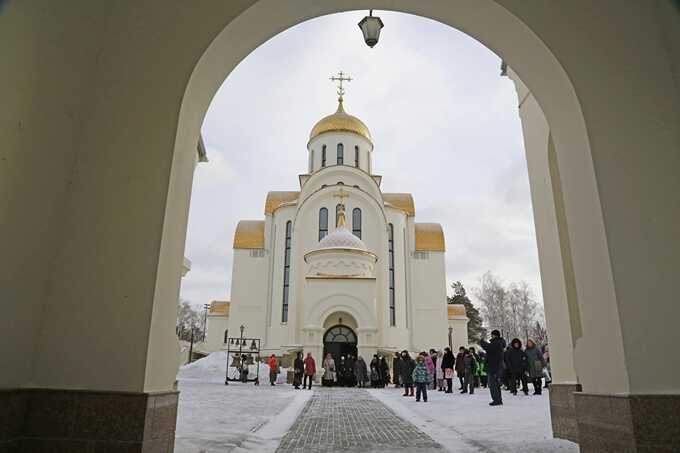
(340,121)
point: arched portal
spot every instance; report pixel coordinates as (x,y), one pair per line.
(340,341)
(120,158)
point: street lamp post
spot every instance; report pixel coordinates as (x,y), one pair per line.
(205,320)
(451,338)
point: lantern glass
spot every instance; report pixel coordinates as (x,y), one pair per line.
(370,27)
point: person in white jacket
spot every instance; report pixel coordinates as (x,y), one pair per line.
(439,372)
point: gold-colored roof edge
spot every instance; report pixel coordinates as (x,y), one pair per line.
(430,237)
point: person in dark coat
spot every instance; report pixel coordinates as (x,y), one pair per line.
(469,367)
(298,370)
(517,365)
(384,372)
(536,365)
(406,371)
(350,380)
(460,367)
(360,371)
(396,364)
(494,360)
(375,372)
(448,364)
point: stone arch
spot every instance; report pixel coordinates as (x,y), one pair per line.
(329,305)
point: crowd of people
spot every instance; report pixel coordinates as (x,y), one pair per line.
(496,366)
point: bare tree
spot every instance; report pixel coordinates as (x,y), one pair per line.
(188,319)
(512,310)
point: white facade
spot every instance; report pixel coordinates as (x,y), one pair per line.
(324,257)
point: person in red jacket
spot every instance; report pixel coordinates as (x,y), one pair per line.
(273,369)
(310,371)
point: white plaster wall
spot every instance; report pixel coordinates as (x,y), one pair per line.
(349,141)
(563,327)
(248,294)
(428,280)
(214,339)
(459,336)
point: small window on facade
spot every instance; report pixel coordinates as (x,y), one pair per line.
(356,222)
(323,156)
(390,246)
(356,156)
(286,272)
(341,154)
(323,223)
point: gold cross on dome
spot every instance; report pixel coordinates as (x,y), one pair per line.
(341,194)
(341,77)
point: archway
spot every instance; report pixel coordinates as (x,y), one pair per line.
(115,136)
(340,341)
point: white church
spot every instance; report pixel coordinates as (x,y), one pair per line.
(339,266)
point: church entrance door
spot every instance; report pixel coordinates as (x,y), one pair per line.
(341,341)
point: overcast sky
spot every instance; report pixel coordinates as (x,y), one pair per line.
(444,123)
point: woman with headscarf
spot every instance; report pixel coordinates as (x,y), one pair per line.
(448,362)
(329,373)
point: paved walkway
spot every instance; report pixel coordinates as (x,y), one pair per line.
(339,419)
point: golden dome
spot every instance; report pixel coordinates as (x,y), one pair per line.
(340,121)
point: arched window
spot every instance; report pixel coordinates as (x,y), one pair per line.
(356,156)
(356,222)
(286,272)
(323,223)
(341,154)
(323,156)
(390,246)
(337,214)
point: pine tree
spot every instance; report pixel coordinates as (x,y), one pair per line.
(476,331)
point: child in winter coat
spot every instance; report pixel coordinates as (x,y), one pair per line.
(421,378)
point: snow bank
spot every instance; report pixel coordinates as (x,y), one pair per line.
(212,369)
(213,417)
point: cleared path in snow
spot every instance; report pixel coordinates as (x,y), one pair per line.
(340,419)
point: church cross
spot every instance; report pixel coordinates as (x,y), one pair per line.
(341,194)
(341,77)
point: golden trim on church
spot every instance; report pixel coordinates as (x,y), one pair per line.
(429,237)
(456,311)
(219,309)
(249,234)
(403,201)
(276,199)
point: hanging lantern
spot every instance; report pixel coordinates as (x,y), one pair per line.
(243,343)
(370,26)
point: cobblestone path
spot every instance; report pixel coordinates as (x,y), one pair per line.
(341,420)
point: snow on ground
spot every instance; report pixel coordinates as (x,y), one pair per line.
(467,424)
(213,417)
